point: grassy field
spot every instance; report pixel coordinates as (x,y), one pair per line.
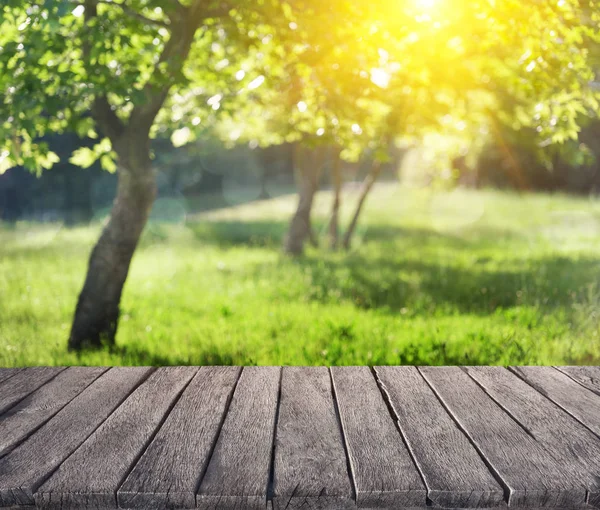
(462,277)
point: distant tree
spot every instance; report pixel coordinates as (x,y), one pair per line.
(336,182)
(529,65)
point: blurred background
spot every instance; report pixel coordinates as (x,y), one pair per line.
(425,195)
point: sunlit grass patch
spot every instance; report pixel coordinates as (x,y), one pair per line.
(473,277)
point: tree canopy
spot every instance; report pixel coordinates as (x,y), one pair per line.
(440,66)
(329,70)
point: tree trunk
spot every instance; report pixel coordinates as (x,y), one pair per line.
(307,171)
(364,191)
(97,312)
(264,157)
(336,181)
(264,194)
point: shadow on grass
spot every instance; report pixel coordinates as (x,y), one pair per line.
(381,277)
(234,233)
(394,285)
(134,355)
(272,233)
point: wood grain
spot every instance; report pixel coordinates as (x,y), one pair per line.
(7,373)
(38,407)
(455,474)
(91,476)
(586,376)
(577,400)
(310,468)
(529,472)
(26,467)
(23,383)
(168,473)
(238,473)
(575,448)
(383,470)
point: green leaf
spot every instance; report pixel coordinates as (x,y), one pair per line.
(83,157)
(48,160)
(108,163)
(6,162)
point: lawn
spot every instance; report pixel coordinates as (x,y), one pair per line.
(460,277)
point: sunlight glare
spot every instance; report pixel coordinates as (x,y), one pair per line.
(426,5)
(380,77)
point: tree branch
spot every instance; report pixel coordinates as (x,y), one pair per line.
(174,55)
(107,120)
(134,14)
(110,125)
(174,11)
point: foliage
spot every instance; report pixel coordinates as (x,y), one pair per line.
(59,57)
(419,68)
(279,71)
(466,277)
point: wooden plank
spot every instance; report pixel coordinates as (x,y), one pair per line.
(37,408)
(586,376)
(527,470)
(93,473)
(26,467)
(453,471)
(310,468)
(168,473)
(577,400)
(503,507)
(7,373)
(383,470)
(23,383)
(238,473)
(576,449)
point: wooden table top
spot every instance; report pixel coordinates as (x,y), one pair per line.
(300,437)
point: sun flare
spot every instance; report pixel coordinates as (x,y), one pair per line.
(426,5)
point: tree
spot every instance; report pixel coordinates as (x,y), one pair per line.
(308,165)
(528,64)
(337,182)
(109,67)
(339,90)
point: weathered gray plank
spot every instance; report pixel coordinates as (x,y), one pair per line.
(586,376)
(455,474)
(91,476)
(23,383)
(383,470)
(25,468)
(238,473)
(37,408)
(504,506)
(576,449)
(527,469)
(168,473)
(501,507)
(577,400)
(310,461)
(7,373)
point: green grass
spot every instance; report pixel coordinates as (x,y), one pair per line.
(463,277)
